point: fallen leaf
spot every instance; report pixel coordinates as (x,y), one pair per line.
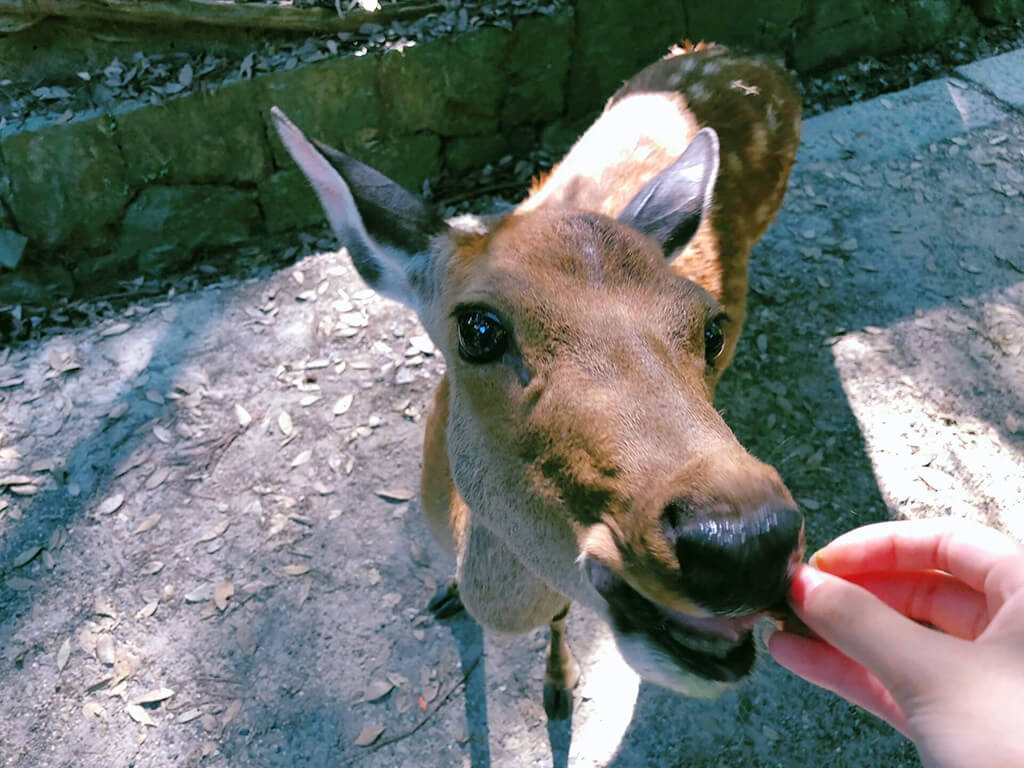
(156,479)
(368,735)
(16,480)
(94,711)
(221,593)
(152,697)
(395,494)
(105,649)
(304,590)
(232,711)
(342,404)
(19,584)
(284,422)
(162,434)
(1012,423)
(115,330)
(208,748)
(24,490)
(296,569)
(103,607)
(189,715)
(430,692)
(302,458)
(63,654)
(152,568)
(378,689)
(139,715)
(26,556)
(217,530)
(210,723)
(147,524)
(309,400)
(148,609)
(243,416)
(110,504)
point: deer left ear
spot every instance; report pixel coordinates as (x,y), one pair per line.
(386,229)
(671,206)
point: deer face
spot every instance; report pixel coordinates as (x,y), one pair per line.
(581,427)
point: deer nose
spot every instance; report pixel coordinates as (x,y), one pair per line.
(740,563)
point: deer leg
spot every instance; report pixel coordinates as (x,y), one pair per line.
(563,671)
(446,602)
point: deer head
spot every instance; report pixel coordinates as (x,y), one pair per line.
(581,429)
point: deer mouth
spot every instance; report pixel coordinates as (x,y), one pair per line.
(714,648)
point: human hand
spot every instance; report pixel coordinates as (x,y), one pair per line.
(958,692)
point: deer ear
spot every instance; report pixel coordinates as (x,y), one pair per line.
(386,229)
(671,206)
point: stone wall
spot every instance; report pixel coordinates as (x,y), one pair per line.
(110,195)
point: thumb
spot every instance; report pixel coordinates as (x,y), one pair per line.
(899,652)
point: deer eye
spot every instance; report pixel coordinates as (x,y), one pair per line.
(482,338)
(714,340)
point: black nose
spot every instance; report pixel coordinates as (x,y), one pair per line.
(740,564)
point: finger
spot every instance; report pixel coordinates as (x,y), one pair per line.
(967,550)
(931,596)
(902,654)
(821,664)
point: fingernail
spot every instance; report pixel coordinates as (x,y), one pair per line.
(807,580)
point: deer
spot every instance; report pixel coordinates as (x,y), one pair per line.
(574,452)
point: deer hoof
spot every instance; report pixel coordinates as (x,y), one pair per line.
(557,702)
(446,602)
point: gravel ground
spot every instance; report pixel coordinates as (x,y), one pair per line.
(212,555)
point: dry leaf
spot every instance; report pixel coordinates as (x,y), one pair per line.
(297,569)
(378,689)
(232,711)
(104,607)
(151,697)
(1012,423)
(342,404)
(19,584)
(210,723)
(139,715)
(243,416)
(148,523)
(24,490)
(115,330)
(304,590)
(189,715)
(156,479)
(284,422)
(152,568)
(110,504)
(16,480)
(430,692)
(221,593)
(368,735)
(105,649)
(302,458)
(217,530)
(148,609)
(93,711)
(309,400)
(26,556)
(163,435)
(208,748)
(395,494)
(63,654)
(208,611)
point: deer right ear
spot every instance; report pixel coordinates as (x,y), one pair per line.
(389,240)
(671,206)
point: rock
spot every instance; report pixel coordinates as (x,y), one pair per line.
(67,182)
(730,22)
(204,138)
(537,68)
(615,40)
(451,87)
(39,284)
(288,202)
(12,246)
(408,159)
(165,226)
(999,11)
(332,101)
(465,153)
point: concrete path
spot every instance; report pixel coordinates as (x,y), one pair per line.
(198,569)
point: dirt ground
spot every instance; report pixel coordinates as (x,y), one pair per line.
(212,556)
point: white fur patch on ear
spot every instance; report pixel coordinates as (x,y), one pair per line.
(382,268)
